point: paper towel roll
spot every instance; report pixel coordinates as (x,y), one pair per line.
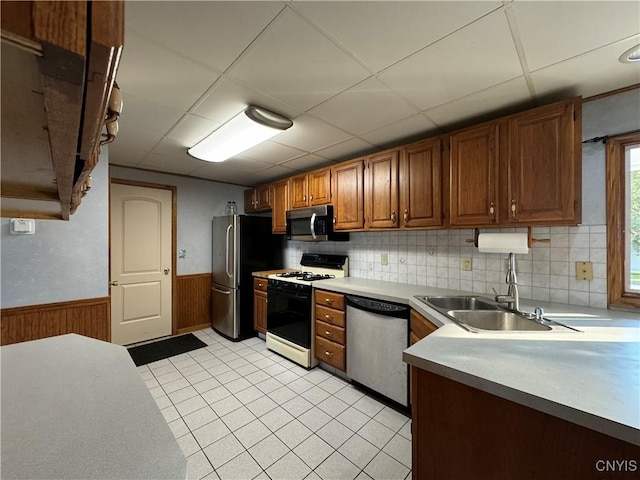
(503,243)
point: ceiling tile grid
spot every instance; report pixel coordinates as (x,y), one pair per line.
(355,77)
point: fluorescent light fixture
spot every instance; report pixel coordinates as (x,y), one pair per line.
(630,56)
(250,127)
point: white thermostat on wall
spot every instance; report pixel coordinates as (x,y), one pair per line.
(22,226)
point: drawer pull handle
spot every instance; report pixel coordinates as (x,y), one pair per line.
(328,333)
(328,300)
(328,317)
(260,285)
(328,354)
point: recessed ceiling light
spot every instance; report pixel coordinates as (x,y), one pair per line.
(631,55)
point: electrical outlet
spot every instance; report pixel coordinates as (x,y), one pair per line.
(466,263)
(584,271)
(384,259)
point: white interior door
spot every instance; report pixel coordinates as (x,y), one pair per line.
(140,263)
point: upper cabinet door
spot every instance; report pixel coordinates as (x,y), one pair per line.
(421,184)
(544,165)
(280,205)
(348,195)
(382,190)
(298,189)
(473,172)
(263,202)
(320,187)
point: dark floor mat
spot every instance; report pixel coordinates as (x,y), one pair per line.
(152,352)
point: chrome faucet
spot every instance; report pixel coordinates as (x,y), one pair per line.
(512,298)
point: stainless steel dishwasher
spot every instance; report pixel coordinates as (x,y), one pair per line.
(377,333)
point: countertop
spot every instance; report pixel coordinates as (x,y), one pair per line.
(76,407)
(266,273)
(591,378)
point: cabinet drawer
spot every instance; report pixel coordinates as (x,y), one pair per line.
(420,326)
(260,284)
(330,332)
(330,315)
(330,299)
(331,353)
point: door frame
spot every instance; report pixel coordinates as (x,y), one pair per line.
(174,242)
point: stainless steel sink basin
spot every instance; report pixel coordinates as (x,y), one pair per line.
(496,320)
(460,303)
(478,314)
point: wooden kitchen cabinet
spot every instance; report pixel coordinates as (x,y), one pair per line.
(381,189)
(260,305)
(330,329)
(420,327)
(447,413)
(473,176)
(59,63)
(280,205)
(310,189)
(257,199)
(420,180)
(524,169)
(543,165)
(347,189)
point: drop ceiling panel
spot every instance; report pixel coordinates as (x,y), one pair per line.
(295,64)
(352,148)
(142,114)
(244,165)
(163,163)
(382,33)
(477,57)
(277,171)
(309,134)
(272,152)
(170,147)
(589,74)
(218,32)
(409,127)
(555,31)
(370,105)
(192,129)
(483,102)
(227,98)
(212,172)
(122,155)
(306,162)
(132,137)
(151,72)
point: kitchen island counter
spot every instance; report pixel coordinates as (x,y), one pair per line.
(76,407)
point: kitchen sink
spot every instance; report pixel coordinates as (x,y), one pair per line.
(460,303)
(478,314)
(496,320)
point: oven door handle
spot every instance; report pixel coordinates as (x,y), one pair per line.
(313,226)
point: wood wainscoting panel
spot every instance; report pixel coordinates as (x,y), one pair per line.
(89,317)
(193,300)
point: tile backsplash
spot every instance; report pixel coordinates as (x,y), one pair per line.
(434,258)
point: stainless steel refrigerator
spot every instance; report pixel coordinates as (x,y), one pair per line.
(241,245)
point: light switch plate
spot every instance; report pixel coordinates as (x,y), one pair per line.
(584,271)
(384,259)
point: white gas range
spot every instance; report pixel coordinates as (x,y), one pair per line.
(290,305)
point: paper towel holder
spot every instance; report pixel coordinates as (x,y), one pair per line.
(530,239)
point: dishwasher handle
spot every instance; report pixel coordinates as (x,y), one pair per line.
(388,309)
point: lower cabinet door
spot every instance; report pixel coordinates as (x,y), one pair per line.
(331,353)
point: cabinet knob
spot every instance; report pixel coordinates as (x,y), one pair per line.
(492,210)
(513,208)
(260,285)
(304,198)
(311,197)
(329,354)
(393,216)
(328,333)
(334,220)
(328,300)
(328,317)
(406,215)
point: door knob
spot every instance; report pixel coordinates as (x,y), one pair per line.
(114,283)
(166,271)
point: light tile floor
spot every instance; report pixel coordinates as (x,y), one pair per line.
(239,411)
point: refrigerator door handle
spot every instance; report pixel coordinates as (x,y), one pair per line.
(221,291)
(226,266)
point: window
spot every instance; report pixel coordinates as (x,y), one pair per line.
(623,220)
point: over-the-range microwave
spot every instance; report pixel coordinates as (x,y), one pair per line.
(314,224)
